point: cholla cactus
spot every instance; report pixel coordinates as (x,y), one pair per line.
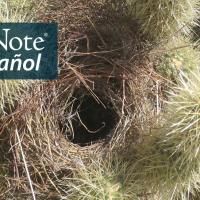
(169,162)
(161,18)
(184,108)
(10,90)
(9,15)
(163,172)
(177,53)
(108,178)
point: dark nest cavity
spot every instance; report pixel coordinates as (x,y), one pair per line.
(91,121)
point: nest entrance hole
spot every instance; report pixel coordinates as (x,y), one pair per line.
(92,122)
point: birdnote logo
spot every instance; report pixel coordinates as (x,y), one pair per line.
(28,50)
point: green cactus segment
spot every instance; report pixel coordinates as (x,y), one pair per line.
(108,178)
(162,18)
(169,162)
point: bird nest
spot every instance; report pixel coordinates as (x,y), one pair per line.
(104,96)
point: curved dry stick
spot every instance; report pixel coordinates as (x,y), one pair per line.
(104,124)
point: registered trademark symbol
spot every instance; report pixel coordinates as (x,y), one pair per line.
(45,34)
